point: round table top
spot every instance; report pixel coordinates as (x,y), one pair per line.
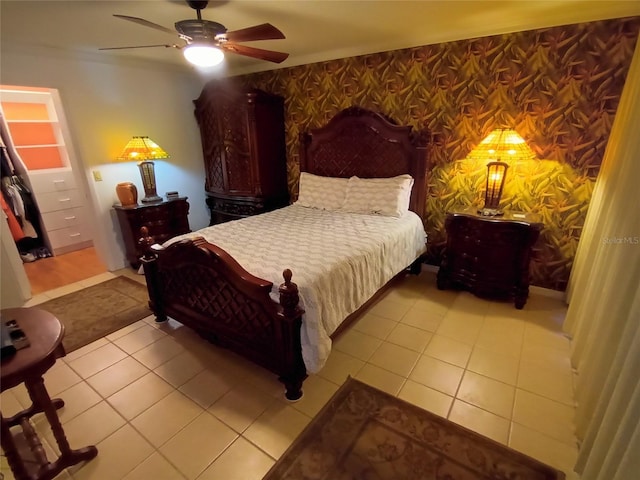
(44,332)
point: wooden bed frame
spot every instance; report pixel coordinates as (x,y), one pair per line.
(203,287)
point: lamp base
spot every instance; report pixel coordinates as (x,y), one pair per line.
(485,212)
(151,199)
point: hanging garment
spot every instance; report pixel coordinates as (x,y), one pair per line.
(14,226)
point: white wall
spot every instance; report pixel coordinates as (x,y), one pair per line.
(105,105)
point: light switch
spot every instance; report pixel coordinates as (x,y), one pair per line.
(97,176)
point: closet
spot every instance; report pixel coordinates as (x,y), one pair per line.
(38,158)
(243,143)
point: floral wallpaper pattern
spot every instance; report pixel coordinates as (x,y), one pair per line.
(558,87)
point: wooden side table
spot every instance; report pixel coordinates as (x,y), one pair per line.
(489,256)
(164,220)
(28,365)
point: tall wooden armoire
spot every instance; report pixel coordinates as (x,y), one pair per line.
(244,151)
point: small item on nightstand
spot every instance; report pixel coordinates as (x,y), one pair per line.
(172,195)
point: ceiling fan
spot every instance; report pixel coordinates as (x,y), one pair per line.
(205,41)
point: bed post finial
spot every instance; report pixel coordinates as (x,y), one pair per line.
(289,297)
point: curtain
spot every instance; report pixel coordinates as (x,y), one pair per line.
(603,317)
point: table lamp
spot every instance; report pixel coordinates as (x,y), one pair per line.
(144,150)
(500,145)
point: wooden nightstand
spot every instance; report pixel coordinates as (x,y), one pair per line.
(489,256)
(165,220)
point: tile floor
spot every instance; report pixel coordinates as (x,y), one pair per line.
(160,403)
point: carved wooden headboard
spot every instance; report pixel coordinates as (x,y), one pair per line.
(360,142)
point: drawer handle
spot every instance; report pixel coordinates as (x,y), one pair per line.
(64,199)
(74,235)
(58,181)
(70,218)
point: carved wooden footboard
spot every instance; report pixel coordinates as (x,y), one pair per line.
(203,287)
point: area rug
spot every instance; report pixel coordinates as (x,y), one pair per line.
(364,433)
(96,311)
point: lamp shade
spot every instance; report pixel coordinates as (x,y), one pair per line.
(499,147)
(141,148)
(502,144)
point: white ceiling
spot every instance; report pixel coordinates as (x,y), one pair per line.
(316,30)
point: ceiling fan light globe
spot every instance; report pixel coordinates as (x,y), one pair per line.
(203,55)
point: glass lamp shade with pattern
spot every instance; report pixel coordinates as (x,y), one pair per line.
(144,150)
(501,147)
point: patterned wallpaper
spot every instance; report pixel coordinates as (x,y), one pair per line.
(558,87)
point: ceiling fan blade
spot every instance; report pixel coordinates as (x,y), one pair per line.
(141,46)
(265,31)
(268,55)
(146,23)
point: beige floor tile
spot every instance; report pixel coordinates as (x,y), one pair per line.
(97,360)
(21,395)
(505,343)
(488,394)
(91,426)
(96,279)
(117,376)
(198,444)
(481,421)
(9,403)
(395,358)
(180,369)
(381,379)
(207,387)
(464,327)
(64,290)
(139,338)
(317,392)
(494,364)
(409,337)
(449,350)
(552,384)
(339,366)
(437,374)
(158,352)
(466,302)
(427,398)
(154,467)
(241,461)
(374,325)
(138,396)
(405,295)
(546,357)
(118,454)
(423,319)
(546,336)
(543,448)
(389,309)
(77,399)
(546,416)
(435,302)
(166,418)
(275,430)
(266,381)
(357,344)
(60,377)
(241,406)
(101,342)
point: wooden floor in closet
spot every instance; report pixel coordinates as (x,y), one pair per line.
(53,272)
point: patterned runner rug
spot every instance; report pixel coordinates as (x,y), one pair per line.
(363,433)
(96,311)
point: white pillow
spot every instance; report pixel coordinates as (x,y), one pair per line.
(389,197)
(326,193)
